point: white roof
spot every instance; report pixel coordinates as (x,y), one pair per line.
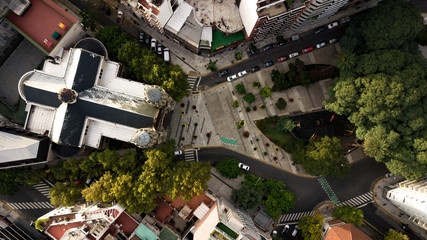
(201,211)
(165,13)
(181,14)
(40,119)
(57,69)
(58,122)
(46,82)
(249,15)
(206,34)
(98,128)
(15,148)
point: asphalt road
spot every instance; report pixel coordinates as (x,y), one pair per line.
(272,54)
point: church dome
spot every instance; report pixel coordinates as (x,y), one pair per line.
(153,94)
(142,138)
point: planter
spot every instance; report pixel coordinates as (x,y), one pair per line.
(195,136)
(182,105)
(262,106)
(254,108)
(183,124)
(291,100)
(276,149)
(246,134)
(182,112)
(208,134)
(265,153)
(275,158)
(267,144)
(194,107)
(255,149)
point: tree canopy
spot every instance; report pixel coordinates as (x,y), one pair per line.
(311,227)
(382,87)
(349,214)
(285,125)
(229,167)
(394,234)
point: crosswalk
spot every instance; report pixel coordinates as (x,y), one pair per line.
(294,217)
(30,205)
(191,155)
(193,81)
(43,188)
(359,200)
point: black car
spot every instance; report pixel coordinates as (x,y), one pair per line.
(254,69)
(320,29)
(223,73)
(147,39)
(282,43)
(268,64)
(141,36)
(268,47)
(252,52)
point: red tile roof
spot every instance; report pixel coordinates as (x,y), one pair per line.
(163,211)
(193,204)
(346,232)
(57,231)
(41,20)
(127,223)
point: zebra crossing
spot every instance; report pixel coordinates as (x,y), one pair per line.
(191,155)
(294,217)
(30,205)
(359,200)
(43,188)
(193,81)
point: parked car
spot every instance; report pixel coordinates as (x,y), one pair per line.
(159,48)
(333,40)
(320,45)
(119,16)
(268,64)
(282,43)
(141,37)
(295,38)
(281,59)
(268,47)
(332,25)
(294,233)
(255,68)
(232,77)
(292,55)
(252,52)
(244,166)
(319,29)
(166,55)
(285,229)
(344,20)
(223,73)
(177,153)
(306,50)
(242,73)
(147,39)
(153,44)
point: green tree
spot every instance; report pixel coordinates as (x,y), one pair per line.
(346,61)
(281,104)
(241,88)
(311,227)
(250,98)
(101,189)
(229,167)
(325,157)
(349,214)
(212,66)
(89,19)
(112,38)
(265,92)
(235,103)
(238,55)
(246,197)
(11,180)
(394,234)
(65,194)
(285,125)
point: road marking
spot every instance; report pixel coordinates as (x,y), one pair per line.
(30,205)
(292,217)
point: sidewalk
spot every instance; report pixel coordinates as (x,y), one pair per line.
(398,215)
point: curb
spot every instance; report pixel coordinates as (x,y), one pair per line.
(220,146)
(375,199)
(202,75)
(13,210)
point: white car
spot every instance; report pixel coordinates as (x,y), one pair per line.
(231,78)
(332,25)
(294,233)
(244,166)
(333,40)
(153,44)
(285,229)
(179,152)
(320,45)
(242,73)
(292,55)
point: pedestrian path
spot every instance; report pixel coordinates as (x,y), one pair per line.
(43,188)
(30,205)
(328,190)
(191,155)
(293,217)
(358,201)
(193,82)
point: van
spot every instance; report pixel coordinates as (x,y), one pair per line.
(166,56)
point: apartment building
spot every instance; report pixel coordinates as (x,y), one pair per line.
(410,197)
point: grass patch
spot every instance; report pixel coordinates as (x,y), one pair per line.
(227,230)
(219,39)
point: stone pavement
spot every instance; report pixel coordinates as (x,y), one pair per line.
(398,216)
(214,113)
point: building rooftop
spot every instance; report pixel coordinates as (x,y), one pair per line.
(41,20)
(346,232)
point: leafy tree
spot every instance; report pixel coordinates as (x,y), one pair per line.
(101,189)
(349,214)
(325,157)
(65,194)
(238,56)
(212,66)
(346,61)
(250,98)
(11,180)
(281,104)
(394,234)
(113,39)
(265,92)
(89,19)
(279,199)
(235,103)
(241,88)
(285,125)
(246,197)
(229,167)
(311,227)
